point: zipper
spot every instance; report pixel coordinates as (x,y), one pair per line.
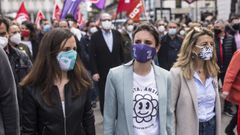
(43,131)
(63,110)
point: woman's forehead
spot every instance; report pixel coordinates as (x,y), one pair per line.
(143,34)
(205,38)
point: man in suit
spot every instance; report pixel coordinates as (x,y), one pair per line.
(105,53)
(170,46)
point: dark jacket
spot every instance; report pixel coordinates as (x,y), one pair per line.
(83,51)
(101,58)
(9,117)
(21,65)
(229,47)
(167,54)
(127,47)
(42,119)
(23,48)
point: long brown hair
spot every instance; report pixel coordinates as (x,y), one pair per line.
(187,59)
(46,68)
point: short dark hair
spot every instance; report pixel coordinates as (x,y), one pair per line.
(236,16)
(5,21)
(150,28)
(69,17)
(43,20)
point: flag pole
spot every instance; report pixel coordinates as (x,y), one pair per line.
(145,13)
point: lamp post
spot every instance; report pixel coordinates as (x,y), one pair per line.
(0,7)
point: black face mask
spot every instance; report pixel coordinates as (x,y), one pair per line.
(236,26)
(217,31)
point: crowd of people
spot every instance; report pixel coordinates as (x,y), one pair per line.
(150,78)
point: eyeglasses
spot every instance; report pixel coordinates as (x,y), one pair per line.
(15,32)
(106,20)
(196,29)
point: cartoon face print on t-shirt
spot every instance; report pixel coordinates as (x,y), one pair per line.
(145,107)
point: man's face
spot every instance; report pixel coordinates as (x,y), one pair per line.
(63,25)
(236,21)
(3,30)
(219,26)
(172,26)
(55,24)
(14,29)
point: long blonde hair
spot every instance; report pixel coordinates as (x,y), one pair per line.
(187,59)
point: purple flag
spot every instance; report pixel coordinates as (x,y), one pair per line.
(100,4)
(70,7)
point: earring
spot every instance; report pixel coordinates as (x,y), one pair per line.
(194,56)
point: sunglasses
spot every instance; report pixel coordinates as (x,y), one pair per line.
(106,20)
(15,32)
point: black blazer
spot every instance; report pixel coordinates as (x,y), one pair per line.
(101,58)
(9,116)
(42,119)
(169,49)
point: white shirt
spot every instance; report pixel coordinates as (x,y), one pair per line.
(63,107)
(145,105)
(29,45)
(77,33)
(206,97)
(108,37)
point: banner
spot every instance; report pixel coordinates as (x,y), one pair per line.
(22,14)
(39,17)
(70,7)
(133,8)
(56,12)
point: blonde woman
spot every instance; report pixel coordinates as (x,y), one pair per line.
(195,97)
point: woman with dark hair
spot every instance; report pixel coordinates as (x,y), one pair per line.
(137,94)
(29,37)
(55,96)
(195,96)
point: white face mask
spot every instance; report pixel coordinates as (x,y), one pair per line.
(70,23)
(16,38)
(182,32)
(107,25)
(130,28)
(172,31)
(3,42)
(206,53)
(161,28)
(93,30)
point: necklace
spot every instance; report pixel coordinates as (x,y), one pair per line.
(200,71)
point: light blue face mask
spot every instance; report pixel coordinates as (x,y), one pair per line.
(67,60)
(46,28)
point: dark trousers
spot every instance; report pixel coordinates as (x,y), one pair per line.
(232,124)
(94,91)
(101,88)
(208,128)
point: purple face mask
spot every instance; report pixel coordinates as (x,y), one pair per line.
(143,53)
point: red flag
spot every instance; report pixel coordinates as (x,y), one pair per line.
(80,18)
(39,17)
(56,12)
(190,1)
(133,8)
(22,14)
(136,10)
(124,5)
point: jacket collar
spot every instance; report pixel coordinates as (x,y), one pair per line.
(193,91)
